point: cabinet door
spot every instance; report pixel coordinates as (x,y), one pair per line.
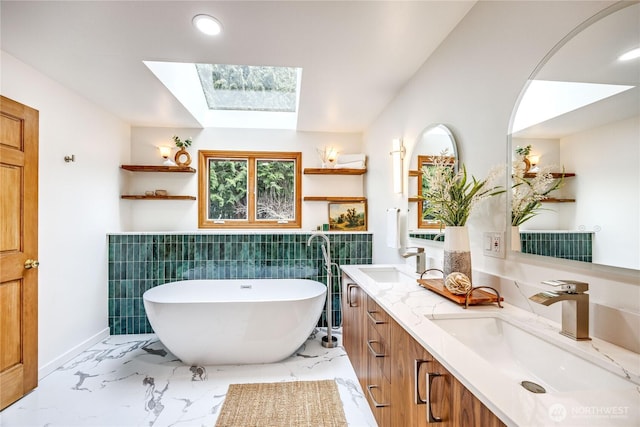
(353,336)
(469,411)
(411,397)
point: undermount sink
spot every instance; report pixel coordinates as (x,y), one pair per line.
(525,357)
(385,274)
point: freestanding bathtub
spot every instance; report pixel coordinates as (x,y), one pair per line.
(221,322)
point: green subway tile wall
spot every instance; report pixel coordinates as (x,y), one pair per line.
(138,262)
(573,246)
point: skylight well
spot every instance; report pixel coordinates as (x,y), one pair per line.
(236,96)
(545,100)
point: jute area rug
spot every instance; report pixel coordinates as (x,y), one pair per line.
(297,403)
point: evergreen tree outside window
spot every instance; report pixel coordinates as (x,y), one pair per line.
(249,189)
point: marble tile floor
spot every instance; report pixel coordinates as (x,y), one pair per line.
(132,380)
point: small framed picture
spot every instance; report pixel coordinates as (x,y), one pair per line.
(348,216)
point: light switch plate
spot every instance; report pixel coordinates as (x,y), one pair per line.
(493,244)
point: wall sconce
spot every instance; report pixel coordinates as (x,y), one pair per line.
(328,156)
(165,152)
(332,155)
(397,155)
(534,159)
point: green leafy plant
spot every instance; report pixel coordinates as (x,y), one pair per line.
(180,143)
(523,151)
(450,195)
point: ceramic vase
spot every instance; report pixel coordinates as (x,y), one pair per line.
(516,244)
(179,157)
(457,252)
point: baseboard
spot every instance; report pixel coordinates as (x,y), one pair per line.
(45,370)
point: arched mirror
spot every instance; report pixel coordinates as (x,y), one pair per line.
(580,113)
(434,140)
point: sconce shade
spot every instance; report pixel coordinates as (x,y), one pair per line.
(397,154)
(165,152)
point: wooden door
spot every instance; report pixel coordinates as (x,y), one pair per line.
(18,250)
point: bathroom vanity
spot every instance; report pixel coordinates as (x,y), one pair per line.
(422,359)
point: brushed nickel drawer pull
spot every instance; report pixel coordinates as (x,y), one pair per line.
(373,400)
(430,417)
(350,286)
(373,319)
(417,363)
(376,354)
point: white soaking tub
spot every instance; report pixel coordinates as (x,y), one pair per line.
(239,321)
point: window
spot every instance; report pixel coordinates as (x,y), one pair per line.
(240,189)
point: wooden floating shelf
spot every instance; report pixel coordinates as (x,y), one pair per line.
(334,199)
(553,174)
(414,173)
(150,168)
(554,200)
(144,197)
(334,171)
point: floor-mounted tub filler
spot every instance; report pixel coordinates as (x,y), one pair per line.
(329,340)
(239,321)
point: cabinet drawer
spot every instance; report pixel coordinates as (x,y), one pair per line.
(378,392)
(378,319)
(379,352)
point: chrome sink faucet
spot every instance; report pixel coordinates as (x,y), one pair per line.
(575,306)
(420,258)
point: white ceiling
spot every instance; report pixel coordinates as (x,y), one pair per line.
(355,55)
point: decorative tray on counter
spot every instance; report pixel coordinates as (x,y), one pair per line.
(474,297)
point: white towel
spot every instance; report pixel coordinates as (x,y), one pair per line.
(348,158)
(350,165)
(393,225)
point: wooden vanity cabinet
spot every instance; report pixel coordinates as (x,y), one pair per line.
(393,370)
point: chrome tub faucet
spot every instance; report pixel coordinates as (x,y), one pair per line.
(575,306)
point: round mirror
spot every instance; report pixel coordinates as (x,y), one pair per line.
(579,117)
(435,140)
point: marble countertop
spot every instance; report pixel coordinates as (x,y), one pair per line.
(414,308)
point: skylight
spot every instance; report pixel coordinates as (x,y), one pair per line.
(546,99)
(234,96)
(249,88)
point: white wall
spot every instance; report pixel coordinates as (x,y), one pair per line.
(78,203)
(471,83)
(605,160)
(153,215)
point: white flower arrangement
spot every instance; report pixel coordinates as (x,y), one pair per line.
(527,193)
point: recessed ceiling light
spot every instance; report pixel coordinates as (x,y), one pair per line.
(632,54)
(207,24)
